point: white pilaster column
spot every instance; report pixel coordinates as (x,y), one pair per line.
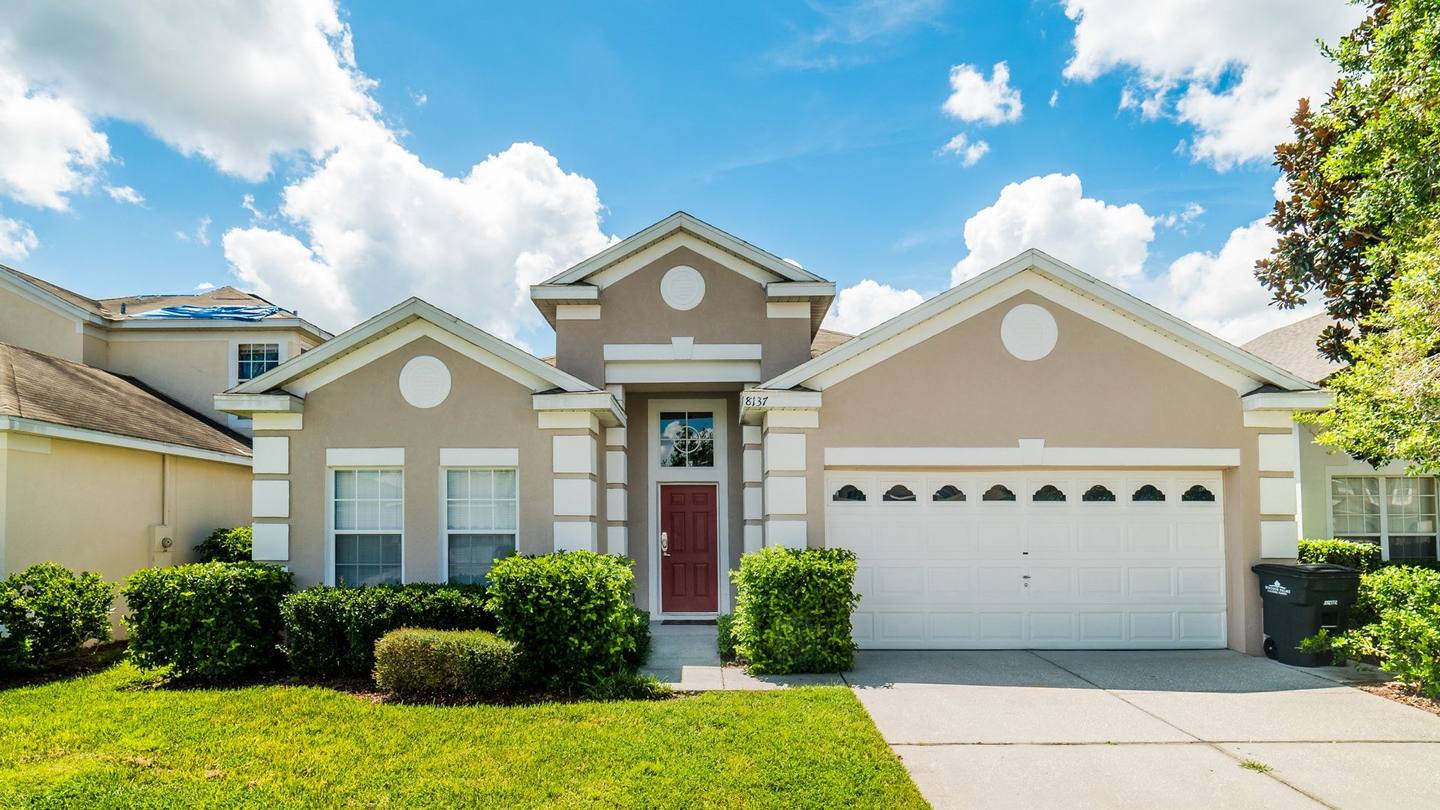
(753,482)
(617,539)
(575,476)
(784,470)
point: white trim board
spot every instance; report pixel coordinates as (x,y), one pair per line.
(397,326)
(718,475)
(695,231)
(1029,454)
(33,427)
(1062,284)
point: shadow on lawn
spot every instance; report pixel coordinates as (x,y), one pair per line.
(86,661)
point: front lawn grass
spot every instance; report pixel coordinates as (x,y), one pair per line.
(113,740)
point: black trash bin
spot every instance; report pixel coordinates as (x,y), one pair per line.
(1299,601)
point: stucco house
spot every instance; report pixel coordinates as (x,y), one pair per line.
(112,456)
(1031,459)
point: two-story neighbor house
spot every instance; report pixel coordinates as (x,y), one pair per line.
(1030,459)
(112,456)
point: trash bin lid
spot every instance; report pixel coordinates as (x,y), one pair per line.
(1306,570)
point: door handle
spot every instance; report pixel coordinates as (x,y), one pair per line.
(664,544)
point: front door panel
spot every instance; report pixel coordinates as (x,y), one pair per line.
(689,559)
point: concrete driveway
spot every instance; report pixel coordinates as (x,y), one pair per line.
(1144,729)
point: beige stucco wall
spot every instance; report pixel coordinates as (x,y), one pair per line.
(632,311)
(642,490)
(190,365)
(39,328)
(365,409)
(1097,388)
(92,507)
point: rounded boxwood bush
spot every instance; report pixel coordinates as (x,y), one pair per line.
(571,614)
(47,610)
(227,545)
(792,610)
(1360,556)
(417,664)
(206,620)
(332,631)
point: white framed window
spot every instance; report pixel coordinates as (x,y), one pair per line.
(687,439)
(368,510)
(254,359)
(1395,513)
(481,520)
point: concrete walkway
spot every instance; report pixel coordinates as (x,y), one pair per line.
(1144,729)
(1201,729)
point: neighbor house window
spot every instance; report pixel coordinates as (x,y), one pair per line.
(369,526)
(255,359)
(480,521)
(1397,514)
(687,439)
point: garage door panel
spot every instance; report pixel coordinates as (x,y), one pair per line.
(1101,574)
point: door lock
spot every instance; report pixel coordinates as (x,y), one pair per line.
(664,544)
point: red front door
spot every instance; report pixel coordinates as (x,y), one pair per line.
(688,556)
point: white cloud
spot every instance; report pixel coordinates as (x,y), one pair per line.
(201,234)
(868,304)
(1053,214)
(1231,69)
(16,240)
(203,286)
(379,225)
(975,98)
(848,29)
(970,153)
(1218,292)
(1054,97)
(418,98)
(125,194)
(238,83)
(48,148)
(1179,219)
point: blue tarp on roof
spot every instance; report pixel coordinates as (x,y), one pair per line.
(218,313)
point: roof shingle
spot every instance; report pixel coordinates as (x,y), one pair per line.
(47,389)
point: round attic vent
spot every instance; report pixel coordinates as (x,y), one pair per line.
(682,287)
(1028,332)
(425,381)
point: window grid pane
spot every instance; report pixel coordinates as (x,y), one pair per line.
(687,439)
(369,516)
(1398,514)
(255,359)
(481,517)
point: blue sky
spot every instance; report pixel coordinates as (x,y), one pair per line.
(813,130)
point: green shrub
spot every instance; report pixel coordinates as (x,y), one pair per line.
(639,651)
(725,636)
(1361,556)
(419,665)
(571,614)
(332,631)
(47,611)
(792,610)
(1395,622)
(206,620)
(626,686)
(227,545)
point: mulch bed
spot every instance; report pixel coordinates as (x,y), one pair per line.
(1402,694)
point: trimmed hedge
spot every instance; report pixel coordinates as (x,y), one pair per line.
(1361,556)
(227,545)
(571,613)
(206,620)
(47,611)
(332,631)
(1396,621)
(418,665)
(792,610)
(725,637)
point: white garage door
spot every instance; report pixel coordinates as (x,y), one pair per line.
(1073,559)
